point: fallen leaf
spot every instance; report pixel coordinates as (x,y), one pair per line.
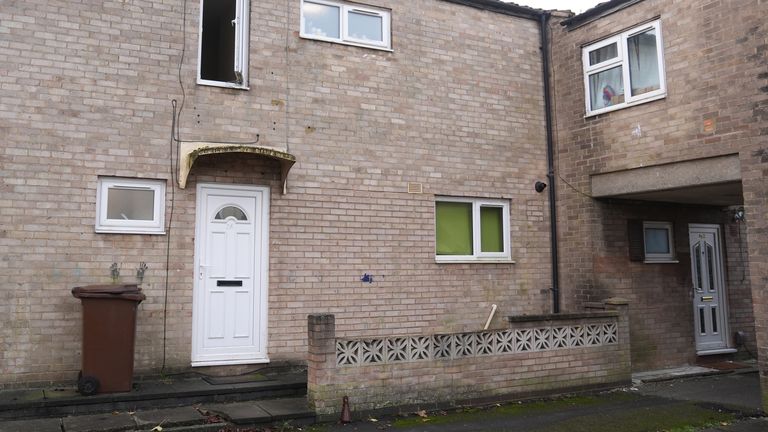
(422,413)
(372,420)
(157,429)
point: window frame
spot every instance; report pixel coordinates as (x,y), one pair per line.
(344,38)
(660,257)
(119,226)
(242,36)
(478,256)
(622,59)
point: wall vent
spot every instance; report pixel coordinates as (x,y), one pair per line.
(414,188)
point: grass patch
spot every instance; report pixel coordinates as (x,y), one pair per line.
(605,413)
(675,417)
(506,410)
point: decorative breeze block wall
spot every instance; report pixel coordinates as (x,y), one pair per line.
(537,355)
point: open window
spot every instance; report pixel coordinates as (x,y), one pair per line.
(468,229)
(349,24)
(624,70)
(130,206)
(223,50)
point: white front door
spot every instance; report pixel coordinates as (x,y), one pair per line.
(230,295)
(710,309)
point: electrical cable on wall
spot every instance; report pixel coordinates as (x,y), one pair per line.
(173,168)
(554,114)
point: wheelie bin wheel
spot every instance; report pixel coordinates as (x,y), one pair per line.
(87,385)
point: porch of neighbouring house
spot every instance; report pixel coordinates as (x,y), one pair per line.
(672,239)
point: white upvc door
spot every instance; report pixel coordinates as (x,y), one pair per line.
(710,310)
(230,290)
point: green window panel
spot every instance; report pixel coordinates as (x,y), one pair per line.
(453,222)
(491,229)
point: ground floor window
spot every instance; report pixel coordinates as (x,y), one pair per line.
(471,229)
(658,241)
(130,206)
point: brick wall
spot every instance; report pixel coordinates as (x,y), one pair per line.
(436,378)
(715,57)
(86,90)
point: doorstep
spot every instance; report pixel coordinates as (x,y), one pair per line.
(689,371)
(203,417)
(154,394)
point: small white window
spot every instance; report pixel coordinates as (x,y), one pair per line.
(658,241)
(468,229)
(633,57)
(130,206)
(345,23)
(223,49)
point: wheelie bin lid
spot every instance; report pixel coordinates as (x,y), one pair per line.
(116,291)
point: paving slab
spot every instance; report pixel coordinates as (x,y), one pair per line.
(39,425)
(285,409)
(672,373)
(183,416)
(99,423)
(242,413)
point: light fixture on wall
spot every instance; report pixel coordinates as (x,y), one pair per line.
(738,214)
(540,186)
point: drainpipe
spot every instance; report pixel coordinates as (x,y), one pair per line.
(543,20)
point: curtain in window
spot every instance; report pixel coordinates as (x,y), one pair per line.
(453,222)
(643,62)
(491,229)
(606,88)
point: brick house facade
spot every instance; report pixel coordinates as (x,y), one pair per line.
(455,108)
(693,156)
(445,103)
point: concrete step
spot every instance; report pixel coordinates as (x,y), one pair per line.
(61,402)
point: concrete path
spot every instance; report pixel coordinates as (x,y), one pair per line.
(713,403)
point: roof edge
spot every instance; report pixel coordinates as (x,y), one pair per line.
(596,12)
(500,7)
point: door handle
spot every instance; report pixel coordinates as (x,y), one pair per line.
(202,266)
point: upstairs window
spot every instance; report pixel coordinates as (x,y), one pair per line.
(223,51)
(469,229)
(344,23)
(633,57)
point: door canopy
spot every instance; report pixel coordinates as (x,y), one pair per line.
(190,151)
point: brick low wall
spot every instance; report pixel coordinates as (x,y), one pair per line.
(536,355)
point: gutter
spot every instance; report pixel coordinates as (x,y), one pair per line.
(596,12)
(500,7)
(543,21)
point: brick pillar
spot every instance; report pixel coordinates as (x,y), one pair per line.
(754,169)
(321,358)
(622,306)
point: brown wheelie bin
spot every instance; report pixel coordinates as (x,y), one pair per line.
(109,331)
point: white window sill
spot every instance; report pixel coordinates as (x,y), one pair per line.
(222,84)
(661,262)
(475,261)
(624,105)
(126,231)
(349,43)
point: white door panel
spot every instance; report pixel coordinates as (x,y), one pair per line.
(710,312)
(229,318)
